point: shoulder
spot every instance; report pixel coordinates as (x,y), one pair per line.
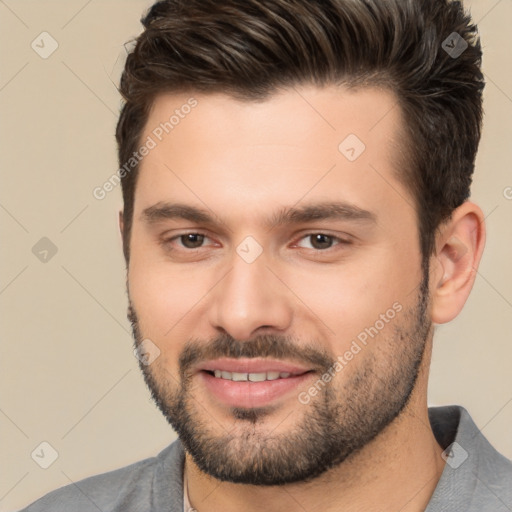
(493,478)
(124,489)
(476,477)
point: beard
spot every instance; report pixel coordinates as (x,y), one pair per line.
(337,423)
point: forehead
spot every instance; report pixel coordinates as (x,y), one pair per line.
(329,142)
(300,114)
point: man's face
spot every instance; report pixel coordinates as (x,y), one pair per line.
(284,346)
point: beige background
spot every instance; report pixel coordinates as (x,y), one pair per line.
(68,375)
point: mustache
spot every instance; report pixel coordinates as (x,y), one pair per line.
(266,346)
(273,346)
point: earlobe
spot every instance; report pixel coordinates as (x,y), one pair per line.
(460,244)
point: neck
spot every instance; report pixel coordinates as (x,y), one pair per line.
(398,470)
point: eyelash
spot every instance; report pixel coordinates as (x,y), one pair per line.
(340,241)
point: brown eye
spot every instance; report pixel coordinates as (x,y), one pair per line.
(192,240)
(321,241)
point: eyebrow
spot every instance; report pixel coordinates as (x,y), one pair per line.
(289,215)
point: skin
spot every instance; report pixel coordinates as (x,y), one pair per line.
(242,161)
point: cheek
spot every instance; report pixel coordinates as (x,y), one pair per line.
(345,300)
(162,303)
(162,298)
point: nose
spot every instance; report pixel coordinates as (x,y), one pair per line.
(250,298)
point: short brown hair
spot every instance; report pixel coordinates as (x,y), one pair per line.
(250,48)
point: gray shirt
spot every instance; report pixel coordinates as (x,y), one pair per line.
(476,478)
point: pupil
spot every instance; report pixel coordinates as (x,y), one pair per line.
(321,240)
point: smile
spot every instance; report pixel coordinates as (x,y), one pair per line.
(252,377)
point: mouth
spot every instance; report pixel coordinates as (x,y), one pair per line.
(251,382)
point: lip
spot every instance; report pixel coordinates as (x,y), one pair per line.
(249,394)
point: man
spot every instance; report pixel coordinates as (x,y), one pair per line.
(296,221)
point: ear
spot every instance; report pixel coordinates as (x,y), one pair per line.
(459,247)
(121,229)
(121,222)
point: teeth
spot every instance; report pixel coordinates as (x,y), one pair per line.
(253,377)
(257,377)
